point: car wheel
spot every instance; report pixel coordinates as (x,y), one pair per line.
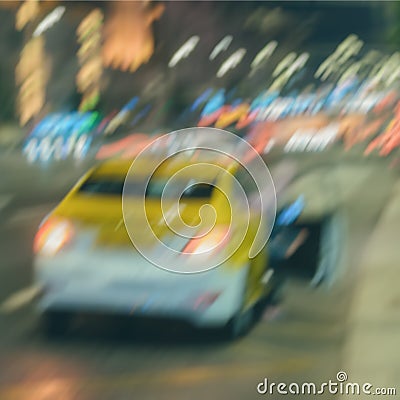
(241,323)
(276,295)
(55,323)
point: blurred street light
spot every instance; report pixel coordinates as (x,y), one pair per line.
(184,51)
(221,46)
(89,55)
(232,62)
(32,70)
(49,20)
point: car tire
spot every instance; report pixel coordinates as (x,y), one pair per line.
(55,323)
(240,324)
(276,295)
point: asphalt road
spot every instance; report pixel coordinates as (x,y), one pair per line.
(302,340)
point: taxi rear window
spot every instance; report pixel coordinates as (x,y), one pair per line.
(102,186)
(183,190)
(112,186)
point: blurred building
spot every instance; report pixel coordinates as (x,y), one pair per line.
(159,31)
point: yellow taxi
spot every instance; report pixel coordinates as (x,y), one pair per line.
(86,259)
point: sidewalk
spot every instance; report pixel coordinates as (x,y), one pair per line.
(371,352)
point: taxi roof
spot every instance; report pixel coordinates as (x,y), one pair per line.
(167,167)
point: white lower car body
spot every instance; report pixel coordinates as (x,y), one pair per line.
(121,281)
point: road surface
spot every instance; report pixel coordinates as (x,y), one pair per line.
(303,340)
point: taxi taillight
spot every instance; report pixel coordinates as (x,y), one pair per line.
(52,236)
(209,242)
